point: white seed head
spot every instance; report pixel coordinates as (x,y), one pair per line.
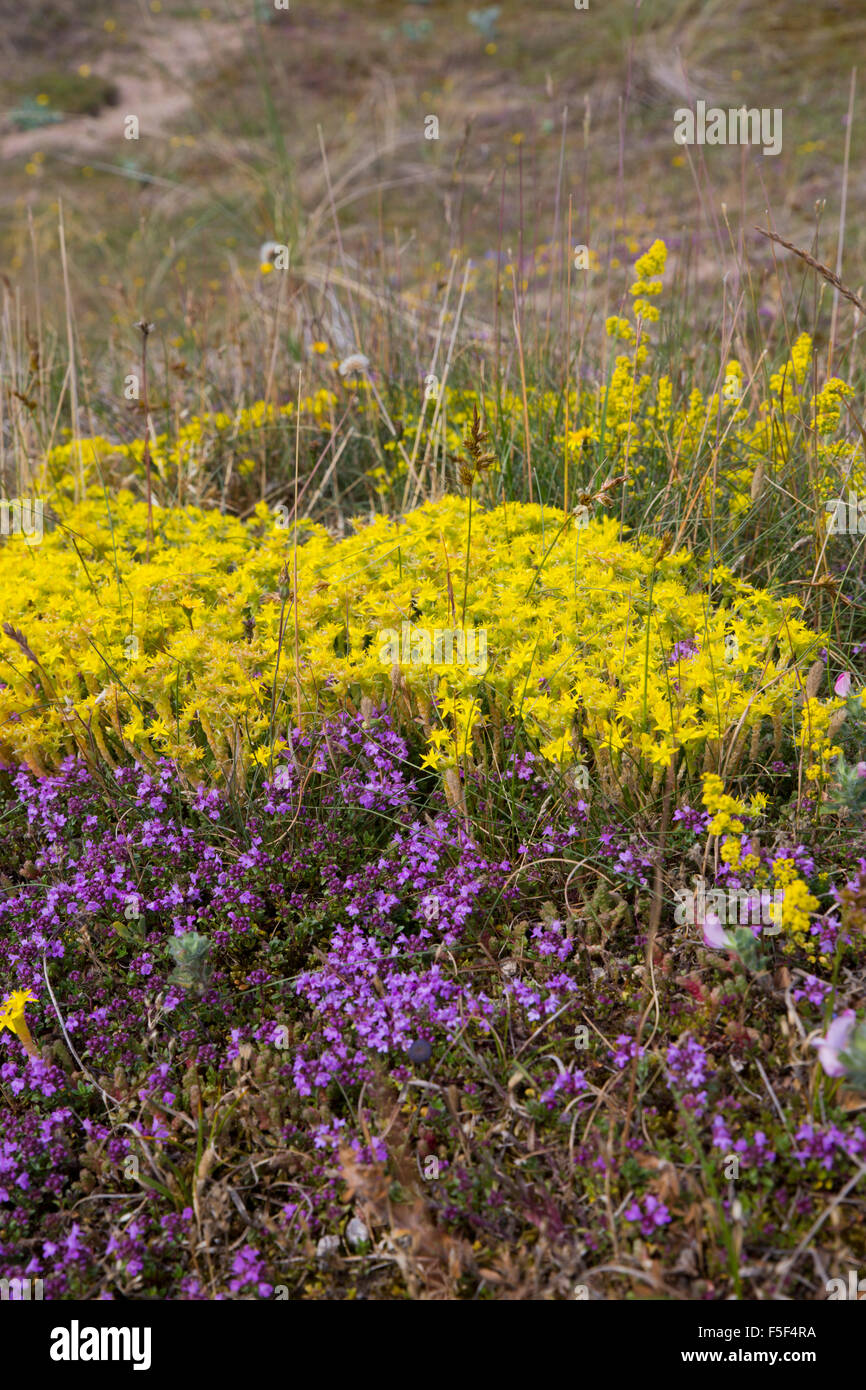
(355,362)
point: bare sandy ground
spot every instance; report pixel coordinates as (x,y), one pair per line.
(158,90)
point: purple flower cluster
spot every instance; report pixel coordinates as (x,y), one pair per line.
(814,990)
(625,1051)
(248,1269)
(753,1152)
(633,861)
(696,821)
(687,1072)
(332,868)
(355,937)
(651,1216)
(822,1143)
(568,1082)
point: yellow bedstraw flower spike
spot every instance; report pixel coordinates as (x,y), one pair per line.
(618,327)
(652,262)
(12,1017)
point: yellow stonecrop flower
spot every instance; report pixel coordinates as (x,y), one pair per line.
(191,653)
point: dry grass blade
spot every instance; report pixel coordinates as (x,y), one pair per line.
(822,269)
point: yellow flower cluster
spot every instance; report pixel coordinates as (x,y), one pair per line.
(767,441)
(195,650)
(760,435)
(794,372)
(621,405)
(652,263)
(827,405)
(632,408)
(196,442)
(815,739)
(797,905)
(726,810)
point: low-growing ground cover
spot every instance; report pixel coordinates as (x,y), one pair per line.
(303,1034)
(432,696)
(465,904)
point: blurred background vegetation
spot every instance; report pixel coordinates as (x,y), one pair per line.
(537,104)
